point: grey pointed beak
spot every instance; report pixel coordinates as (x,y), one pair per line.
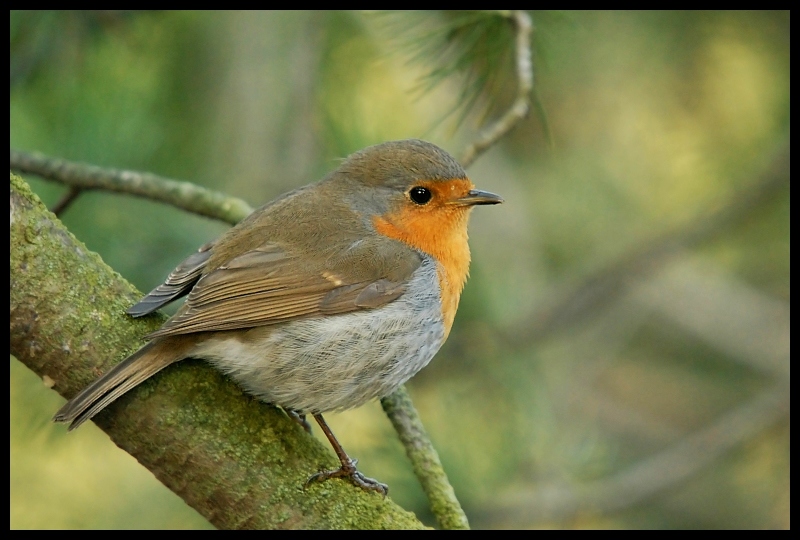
(477,196)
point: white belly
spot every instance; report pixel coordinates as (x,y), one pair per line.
(340,361)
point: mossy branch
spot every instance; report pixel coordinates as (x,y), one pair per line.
(238,462)
(424,460)
(201,201)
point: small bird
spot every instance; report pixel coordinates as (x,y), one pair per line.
(329,296)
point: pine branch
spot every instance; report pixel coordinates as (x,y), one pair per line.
(471,46)
(522,104)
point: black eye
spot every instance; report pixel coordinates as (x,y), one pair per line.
(420,195)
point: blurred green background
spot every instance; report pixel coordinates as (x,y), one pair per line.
(664,404)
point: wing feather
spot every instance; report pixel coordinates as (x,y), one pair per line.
(179,282)
(269,285)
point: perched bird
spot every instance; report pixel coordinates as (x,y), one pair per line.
(331,295)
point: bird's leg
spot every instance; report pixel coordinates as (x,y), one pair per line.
(298,417)
(348,468)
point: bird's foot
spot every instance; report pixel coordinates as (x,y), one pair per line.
(348,470)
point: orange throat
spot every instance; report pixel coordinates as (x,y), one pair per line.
(441,234)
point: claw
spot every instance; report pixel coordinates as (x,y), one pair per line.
(348,470)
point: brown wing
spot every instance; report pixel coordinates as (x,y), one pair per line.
(269,285)
(179,282)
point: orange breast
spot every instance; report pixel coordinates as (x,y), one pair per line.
(440,231)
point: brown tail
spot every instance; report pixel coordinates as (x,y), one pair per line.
(132,371)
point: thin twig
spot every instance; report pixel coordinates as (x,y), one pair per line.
(424,460)
(522,104)
(68,198)
(183,195)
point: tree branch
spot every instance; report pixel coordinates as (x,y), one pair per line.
(522,104)
(69,197)
(237,461)
(424,460)
(183,195)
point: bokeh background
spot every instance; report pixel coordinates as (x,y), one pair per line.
(621,354)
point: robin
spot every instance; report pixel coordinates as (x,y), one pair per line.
(331,295)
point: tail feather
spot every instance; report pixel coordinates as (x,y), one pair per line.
(132,371)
